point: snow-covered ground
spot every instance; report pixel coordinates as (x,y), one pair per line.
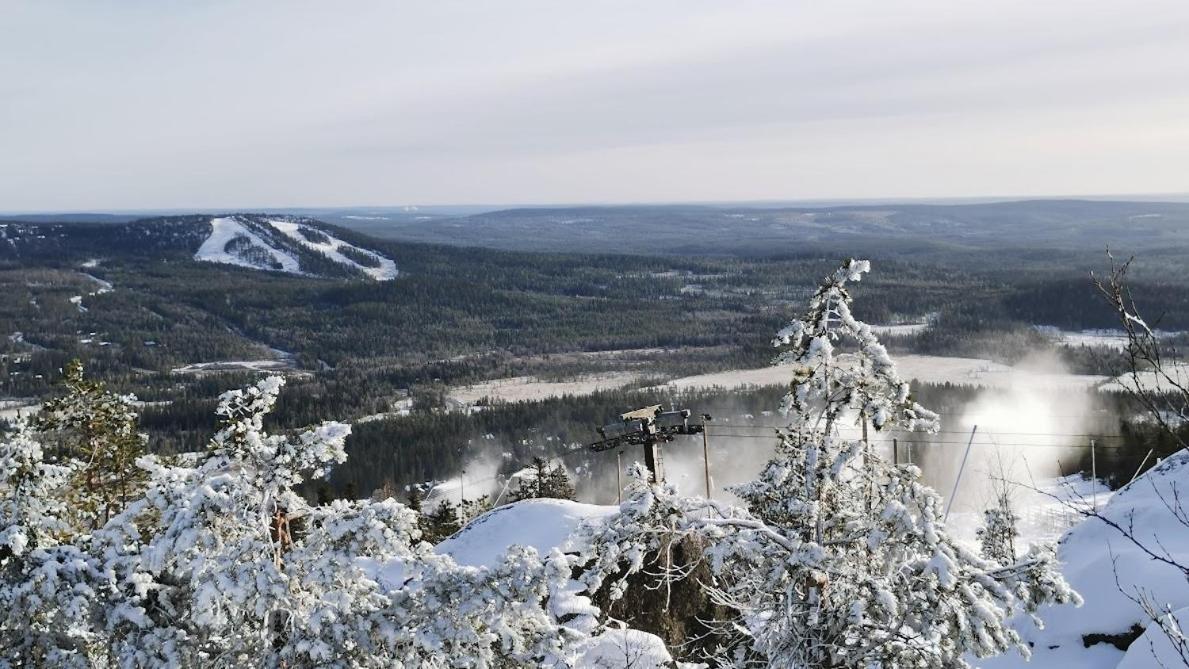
(528,388)
(1105,568)
(543,524)
(1111,339)
(13,409)
(234,366)
(103,286)
(927,368)
(333,250)
(224,230)
(1177,372)
(900,330)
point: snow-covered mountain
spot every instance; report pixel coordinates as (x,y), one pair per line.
(290,245)
(294,245)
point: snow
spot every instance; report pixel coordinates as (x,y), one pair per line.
(623,648)
(234,366)
(104,286)
(225,229)
(542,524)
(333,250)
(528,388)
(1093,555)
(902,330)
(1153,648)
(926,368)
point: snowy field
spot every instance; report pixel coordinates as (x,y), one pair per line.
(234,366)
(528,388)
(1109,339)
(12,409)
(927,368)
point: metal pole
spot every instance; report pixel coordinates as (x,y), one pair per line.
(706,459)
(950,503)
(1093,476)
(462,487)
(1140,468)
(895,451)
(618,472)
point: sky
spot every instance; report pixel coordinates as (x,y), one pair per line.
(168,104)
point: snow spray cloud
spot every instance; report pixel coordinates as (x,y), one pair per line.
(1031,423)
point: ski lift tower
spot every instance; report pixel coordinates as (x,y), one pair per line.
(649,427)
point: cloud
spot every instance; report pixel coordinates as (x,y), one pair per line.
(225,104)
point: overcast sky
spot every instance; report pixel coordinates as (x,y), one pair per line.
(171,104)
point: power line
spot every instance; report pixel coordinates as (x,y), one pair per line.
(1088,435)
(948,441)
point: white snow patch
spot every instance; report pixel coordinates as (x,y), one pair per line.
(926,368)
(542,524)
(531,389)
(234,366)
(333,250)
(223,230)
(1154,649)
(621,649)
(104,286)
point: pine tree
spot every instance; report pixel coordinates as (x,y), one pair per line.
(97,427)
(415,498)
(999,532)
(544,480)
(441,523)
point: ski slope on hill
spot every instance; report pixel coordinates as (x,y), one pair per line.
(333,247)
(254,253)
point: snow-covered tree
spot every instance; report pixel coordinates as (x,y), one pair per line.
(544,480)
(216,561)
(98,428)
(997,537)
(840,559)
(47,585)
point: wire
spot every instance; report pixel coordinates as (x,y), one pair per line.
(718,429)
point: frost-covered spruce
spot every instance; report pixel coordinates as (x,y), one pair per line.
(47,585)
(997,537)
(221,564)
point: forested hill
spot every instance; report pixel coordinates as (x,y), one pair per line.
(1070,225)
(288,244)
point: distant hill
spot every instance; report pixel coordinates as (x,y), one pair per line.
(1071,225)
(276,243)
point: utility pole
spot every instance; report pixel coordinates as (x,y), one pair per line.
(618,474)
(706,457)
(1093,476)
(895,451)
(649,427)
(462,487)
